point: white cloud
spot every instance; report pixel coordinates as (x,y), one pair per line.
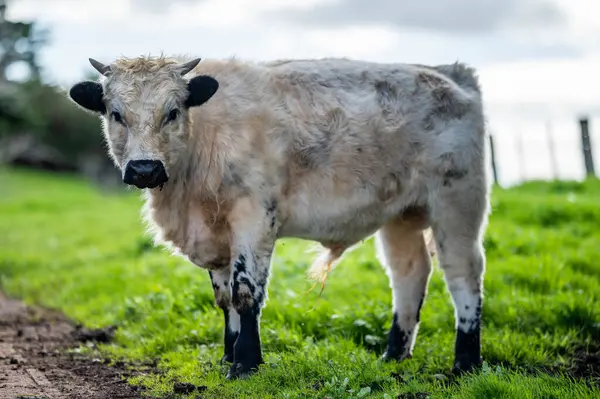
(220,28)
(353,42)
(456,16)
(558,85)
(156,14)
(69,11)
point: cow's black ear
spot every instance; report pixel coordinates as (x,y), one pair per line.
(201,89)
(89,96)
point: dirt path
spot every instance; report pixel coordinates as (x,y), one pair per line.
(34,362)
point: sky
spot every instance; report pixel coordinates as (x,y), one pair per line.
(538,60)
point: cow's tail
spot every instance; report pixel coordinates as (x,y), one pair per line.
(330,257)
(325,262)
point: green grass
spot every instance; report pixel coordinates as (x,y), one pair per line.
(66,245)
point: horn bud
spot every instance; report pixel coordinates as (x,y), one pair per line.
(188,66)
(100,67)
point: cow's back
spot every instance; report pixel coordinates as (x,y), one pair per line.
(361,139)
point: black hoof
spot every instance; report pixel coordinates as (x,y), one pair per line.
(241,371)
(466,365)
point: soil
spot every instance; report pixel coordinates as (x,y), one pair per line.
(35,361)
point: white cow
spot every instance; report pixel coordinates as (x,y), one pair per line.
(233,155)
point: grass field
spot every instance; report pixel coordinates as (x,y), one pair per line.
(66,245)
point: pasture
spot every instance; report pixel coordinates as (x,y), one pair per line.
(67,246)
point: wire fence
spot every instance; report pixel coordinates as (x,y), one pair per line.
(552,150)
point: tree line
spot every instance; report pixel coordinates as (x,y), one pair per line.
(38,125)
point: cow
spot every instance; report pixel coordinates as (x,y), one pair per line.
(232,155)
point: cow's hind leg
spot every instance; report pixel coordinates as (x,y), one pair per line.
(222,289)
(401,248)
(458,214)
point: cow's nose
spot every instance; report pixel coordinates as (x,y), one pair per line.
(145,173)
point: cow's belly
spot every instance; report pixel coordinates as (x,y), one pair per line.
(343,219)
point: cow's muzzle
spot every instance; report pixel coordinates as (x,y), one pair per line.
(145,173)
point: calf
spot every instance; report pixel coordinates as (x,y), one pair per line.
(233,155)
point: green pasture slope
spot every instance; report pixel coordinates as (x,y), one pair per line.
(67,246)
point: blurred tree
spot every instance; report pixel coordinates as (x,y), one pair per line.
(20,42)
(39,125)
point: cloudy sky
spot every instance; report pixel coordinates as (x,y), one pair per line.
(538,60)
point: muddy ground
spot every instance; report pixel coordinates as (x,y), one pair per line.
(35,363)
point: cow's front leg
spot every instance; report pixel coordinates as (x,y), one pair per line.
(253,226)
(220,279)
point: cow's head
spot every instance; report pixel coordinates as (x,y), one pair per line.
(144,103)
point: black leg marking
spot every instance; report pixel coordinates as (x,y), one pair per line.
(247,348)
(243,289)
(239,266)
(247,299)
(253,247)
(467,347)
(419,309)
(271,207)
(398,341)
(214,284)
(467,350)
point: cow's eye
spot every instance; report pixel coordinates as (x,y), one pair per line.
(172,115)
(117,117)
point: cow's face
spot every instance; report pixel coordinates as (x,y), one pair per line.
(144,104)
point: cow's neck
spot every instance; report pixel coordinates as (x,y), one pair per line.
(196,175)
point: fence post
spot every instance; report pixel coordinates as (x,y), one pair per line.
(493,157)
(586,147)
(552,150)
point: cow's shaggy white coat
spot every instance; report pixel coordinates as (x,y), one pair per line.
(330,150)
